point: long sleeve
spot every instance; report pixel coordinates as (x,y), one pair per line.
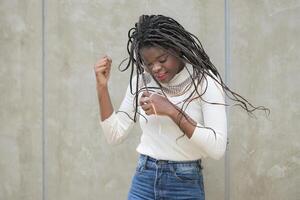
(214,117)
(118,125)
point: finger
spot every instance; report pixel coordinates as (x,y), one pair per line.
(109,59)
(101,68)
(100,63)
(101,71)
(145,100)
(104,60)
(148,112)
(146,94)
(146,107)
(151,94)
(106,67)
(141,102)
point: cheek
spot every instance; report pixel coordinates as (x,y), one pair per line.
(173,66)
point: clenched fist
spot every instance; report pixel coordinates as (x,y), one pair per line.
(102,71)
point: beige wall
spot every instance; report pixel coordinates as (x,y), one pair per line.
(79,164)
(265,152)
(20,100)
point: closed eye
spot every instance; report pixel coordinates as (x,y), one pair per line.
(164,59)
(161,59)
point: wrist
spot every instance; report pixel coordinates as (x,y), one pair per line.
(173,112)
(101,87)
(102,90)
(183,121)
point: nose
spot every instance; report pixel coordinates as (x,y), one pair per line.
(156,67)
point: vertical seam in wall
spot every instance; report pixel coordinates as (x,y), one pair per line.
(227,78)
(44,138)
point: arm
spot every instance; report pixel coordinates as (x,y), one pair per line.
(105,105)
(102,72)
(212,135)
(183,121)
(116,126)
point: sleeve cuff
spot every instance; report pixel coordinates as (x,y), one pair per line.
(196,137)
(110,120)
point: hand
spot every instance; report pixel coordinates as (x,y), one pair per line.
(153,103)
(102,71)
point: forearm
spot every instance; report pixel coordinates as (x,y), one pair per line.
(183,121)
(105,104)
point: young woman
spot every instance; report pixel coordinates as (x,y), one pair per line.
(179,98)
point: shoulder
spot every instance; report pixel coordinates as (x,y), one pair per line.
(210,80)
(211,86)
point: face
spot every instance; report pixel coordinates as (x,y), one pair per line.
(161,64)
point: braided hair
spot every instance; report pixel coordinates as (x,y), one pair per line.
(166,33)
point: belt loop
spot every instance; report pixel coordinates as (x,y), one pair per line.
(145,161)
(171,166)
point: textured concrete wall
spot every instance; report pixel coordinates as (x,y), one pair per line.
(20,100)
(264,154)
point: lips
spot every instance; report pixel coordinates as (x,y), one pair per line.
(161,76)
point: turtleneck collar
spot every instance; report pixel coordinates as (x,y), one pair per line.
(180,76)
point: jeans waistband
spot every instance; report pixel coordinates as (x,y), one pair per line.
(145,159)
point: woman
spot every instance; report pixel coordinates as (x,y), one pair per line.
(179,97)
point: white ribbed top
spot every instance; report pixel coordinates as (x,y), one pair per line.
(160,136)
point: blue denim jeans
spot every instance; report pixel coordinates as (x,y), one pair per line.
(162,180)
